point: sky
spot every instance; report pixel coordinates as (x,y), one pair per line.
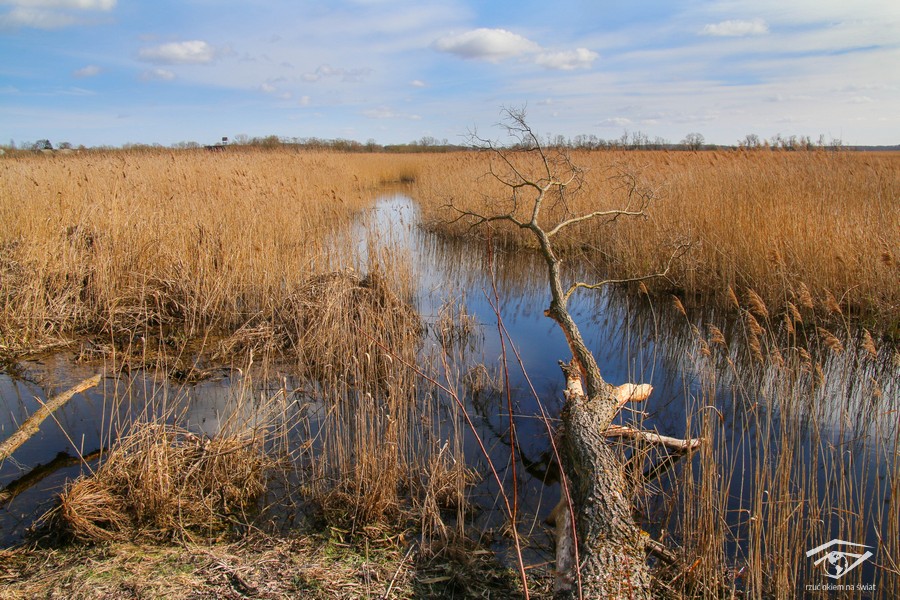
(114,72)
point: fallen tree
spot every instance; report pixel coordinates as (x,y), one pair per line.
(33,423)
(600,550)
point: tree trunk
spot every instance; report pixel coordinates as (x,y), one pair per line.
(611,547)
(600,551)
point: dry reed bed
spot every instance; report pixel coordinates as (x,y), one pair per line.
(125,241)
(254,246)
(137,241)
(775,222)
(361,438)
(807,433)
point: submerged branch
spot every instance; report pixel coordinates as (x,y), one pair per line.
(33,423)
(42,471)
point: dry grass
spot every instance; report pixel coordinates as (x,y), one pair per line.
(302,566)
(162,483)
(241,256)
(824,227)
(254,247)
(191,240)
(153,242)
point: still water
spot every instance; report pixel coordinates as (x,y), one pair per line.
(635,339)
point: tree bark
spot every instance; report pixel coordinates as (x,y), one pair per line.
(611,547)
(600,549)
(33,423)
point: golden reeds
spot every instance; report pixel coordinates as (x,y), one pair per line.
(789,414)
(104,242)
(764,221)
(109,242)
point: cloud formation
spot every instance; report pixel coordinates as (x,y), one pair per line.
(492,45)
(88,71)
(194,52)
(384,112)
(582,58)
(50,14)
(327,71)
(736,28)
(496,45)
(157,75)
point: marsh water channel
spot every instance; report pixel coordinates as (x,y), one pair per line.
(847,428)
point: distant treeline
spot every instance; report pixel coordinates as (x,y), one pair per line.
(627,141)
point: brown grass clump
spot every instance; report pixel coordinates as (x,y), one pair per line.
(163,482)
(350,325)
(93,512)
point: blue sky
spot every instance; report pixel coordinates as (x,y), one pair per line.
(111,72)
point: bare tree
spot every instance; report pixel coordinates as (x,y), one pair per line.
(601,551)
(751,141)
(693,141)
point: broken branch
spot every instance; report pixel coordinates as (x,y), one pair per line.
(682,445)
(32,424)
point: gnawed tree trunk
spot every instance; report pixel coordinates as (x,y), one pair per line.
(611,556)
(601,552)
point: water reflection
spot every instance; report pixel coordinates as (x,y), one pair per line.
(634,338)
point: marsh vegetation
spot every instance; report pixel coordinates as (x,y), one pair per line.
(284,353)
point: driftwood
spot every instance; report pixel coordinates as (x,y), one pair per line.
(32,424)
(41,472)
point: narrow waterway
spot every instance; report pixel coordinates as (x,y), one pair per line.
(851,413)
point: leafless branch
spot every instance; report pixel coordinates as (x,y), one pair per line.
(678,253)
(599,213)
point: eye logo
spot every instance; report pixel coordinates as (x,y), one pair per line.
(836,563)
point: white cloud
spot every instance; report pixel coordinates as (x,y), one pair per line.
(304,101)
(194,52)
(65,4)
(36,19)
(270,87)
(615,122)
(383,112)
(49,14)
(417,83)
(157,75)
(736,28)
(582,58)
(327,71)
(492,45)
(88,71)
(495,45)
